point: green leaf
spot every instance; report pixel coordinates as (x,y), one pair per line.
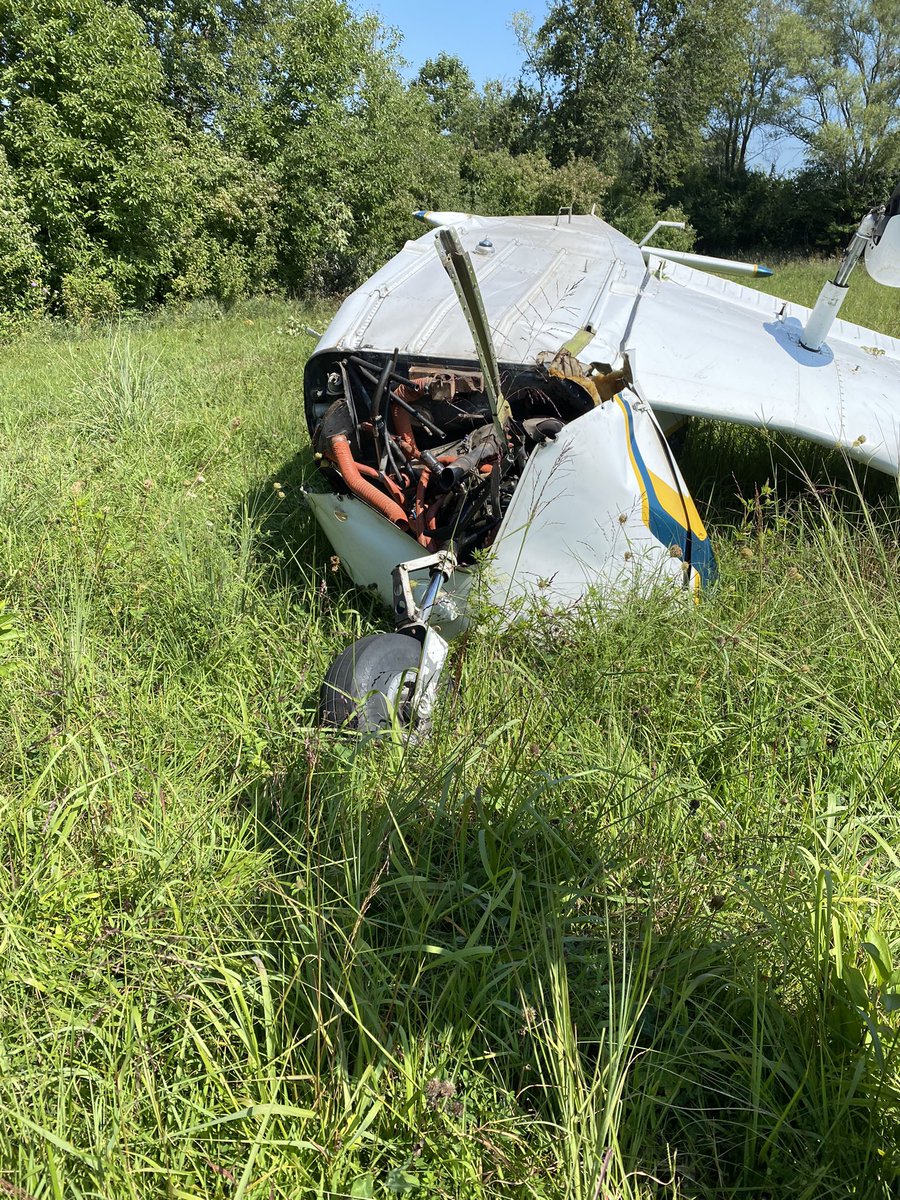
(855,983)
(399,1181)
(876,946)
(8,631)
(362,1188)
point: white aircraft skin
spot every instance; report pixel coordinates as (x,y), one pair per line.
(602,508)
(709,347)
(698,345)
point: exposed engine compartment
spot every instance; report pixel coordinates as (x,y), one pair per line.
(416,439)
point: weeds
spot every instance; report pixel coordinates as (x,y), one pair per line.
(625,926)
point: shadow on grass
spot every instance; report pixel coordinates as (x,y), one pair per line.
(486,970)
(296,557)
(479,976)
(289,542)
(728,466)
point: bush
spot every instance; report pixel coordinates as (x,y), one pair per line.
(496,182)
(635,212)
(89,294)
(87,137)
(225,246)
(21,267)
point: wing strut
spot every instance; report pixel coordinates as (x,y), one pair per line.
(458,266)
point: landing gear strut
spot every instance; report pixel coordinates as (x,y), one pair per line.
(391,677)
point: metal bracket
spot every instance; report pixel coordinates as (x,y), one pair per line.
(458,266)
(409,618)
(660,225)
(431,664)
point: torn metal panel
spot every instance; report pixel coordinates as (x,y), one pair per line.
(602,510)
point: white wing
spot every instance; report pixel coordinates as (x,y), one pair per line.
(707,347)
(699,345)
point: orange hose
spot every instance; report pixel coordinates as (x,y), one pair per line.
(394,488)
(403,425)
(423,535)
(346,464)
(432,512)
(410,392)
(421,488)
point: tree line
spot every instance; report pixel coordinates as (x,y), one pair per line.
(162,150)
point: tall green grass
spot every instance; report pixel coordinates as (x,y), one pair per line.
(624,926)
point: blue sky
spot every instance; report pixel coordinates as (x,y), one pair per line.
(476,30)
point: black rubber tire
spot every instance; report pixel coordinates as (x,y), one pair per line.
(357,686)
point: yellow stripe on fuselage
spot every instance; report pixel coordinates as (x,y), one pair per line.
(676,504)
(671,501)
(645,502)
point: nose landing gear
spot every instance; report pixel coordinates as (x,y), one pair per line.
(391,677)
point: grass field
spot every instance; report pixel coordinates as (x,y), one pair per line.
(623,927)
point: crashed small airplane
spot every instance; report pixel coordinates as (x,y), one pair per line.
(493,404)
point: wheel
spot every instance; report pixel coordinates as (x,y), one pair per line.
(369,681)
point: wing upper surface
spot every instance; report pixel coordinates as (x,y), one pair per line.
(541,279)
(708,347)
(699,345)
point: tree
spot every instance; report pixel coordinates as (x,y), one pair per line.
(489,119)
(86,136)
(844,96)
(631,82)
(124,203)
(21,268)
(446,82)
(496,182)
(225,227)
(195,40)
(753,98)
(303,66)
